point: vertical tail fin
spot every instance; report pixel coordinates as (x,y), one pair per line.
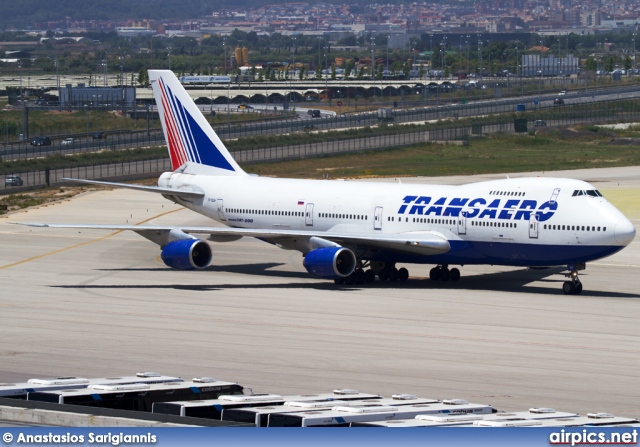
(189,136)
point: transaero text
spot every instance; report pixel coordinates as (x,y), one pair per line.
(507,209)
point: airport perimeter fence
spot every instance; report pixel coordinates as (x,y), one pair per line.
(129,139)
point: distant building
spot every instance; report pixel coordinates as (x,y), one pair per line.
(97,96)
(534,65)
(133,31)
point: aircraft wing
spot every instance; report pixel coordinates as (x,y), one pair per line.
(188,193)
(423,243)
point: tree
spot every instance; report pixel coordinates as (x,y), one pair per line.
(379,72)
(143,78)
(591,64)
(609,64)
(333,72)
(405,70)
(627,63)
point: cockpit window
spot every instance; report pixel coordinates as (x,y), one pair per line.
(589,192)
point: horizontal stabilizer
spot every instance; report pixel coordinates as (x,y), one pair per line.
(167,191)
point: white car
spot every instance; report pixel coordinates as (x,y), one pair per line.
(67,141)
(562,93)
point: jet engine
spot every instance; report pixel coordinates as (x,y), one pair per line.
(187,254)
(330,262)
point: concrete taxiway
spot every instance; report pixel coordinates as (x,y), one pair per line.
(96,303)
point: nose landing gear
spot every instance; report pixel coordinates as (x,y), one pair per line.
(573,286)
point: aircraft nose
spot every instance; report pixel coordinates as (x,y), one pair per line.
(624,232)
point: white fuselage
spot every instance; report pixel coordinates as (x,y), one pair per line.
(524,221)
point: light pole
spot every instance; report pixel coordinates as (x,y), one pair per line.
(489,56)
(96,102)
(480,63)
(388,51)
(104,68)
(467,44)
(319,57)
(540,66)
(444,54)
(229,106)
(169,56)
(373,57)
(326,74)
(559,56)
(57,80)
(517,60)
(480,57)
(224,54)
(294,56)
(413,51)
(21,97)
(634,50)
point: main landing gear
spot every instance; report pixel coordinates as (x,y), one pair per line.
(442,273)
(384,272)
(573,286)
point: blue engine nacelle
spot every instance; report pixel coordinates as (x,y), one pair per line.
(330,262)
(187,254)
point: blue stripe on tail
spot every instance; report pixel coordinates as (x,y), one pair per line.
(199,146)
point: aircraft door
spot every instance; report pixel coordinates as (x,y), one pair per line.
(554,196)
(533,226)
(462,222)
(308,215)
(221,210)
(377,218)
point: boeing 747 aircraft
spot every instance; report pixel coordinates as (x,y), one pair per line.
(353,232)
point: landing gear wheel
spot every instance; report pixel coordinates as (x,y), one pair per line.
(444,274)
(393,275)
(369,276)
(349,280)
(454,274)
(568,288)
(578,288)
(403,274)
(383,275)
(358,276)
(339,281)
(434,274)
